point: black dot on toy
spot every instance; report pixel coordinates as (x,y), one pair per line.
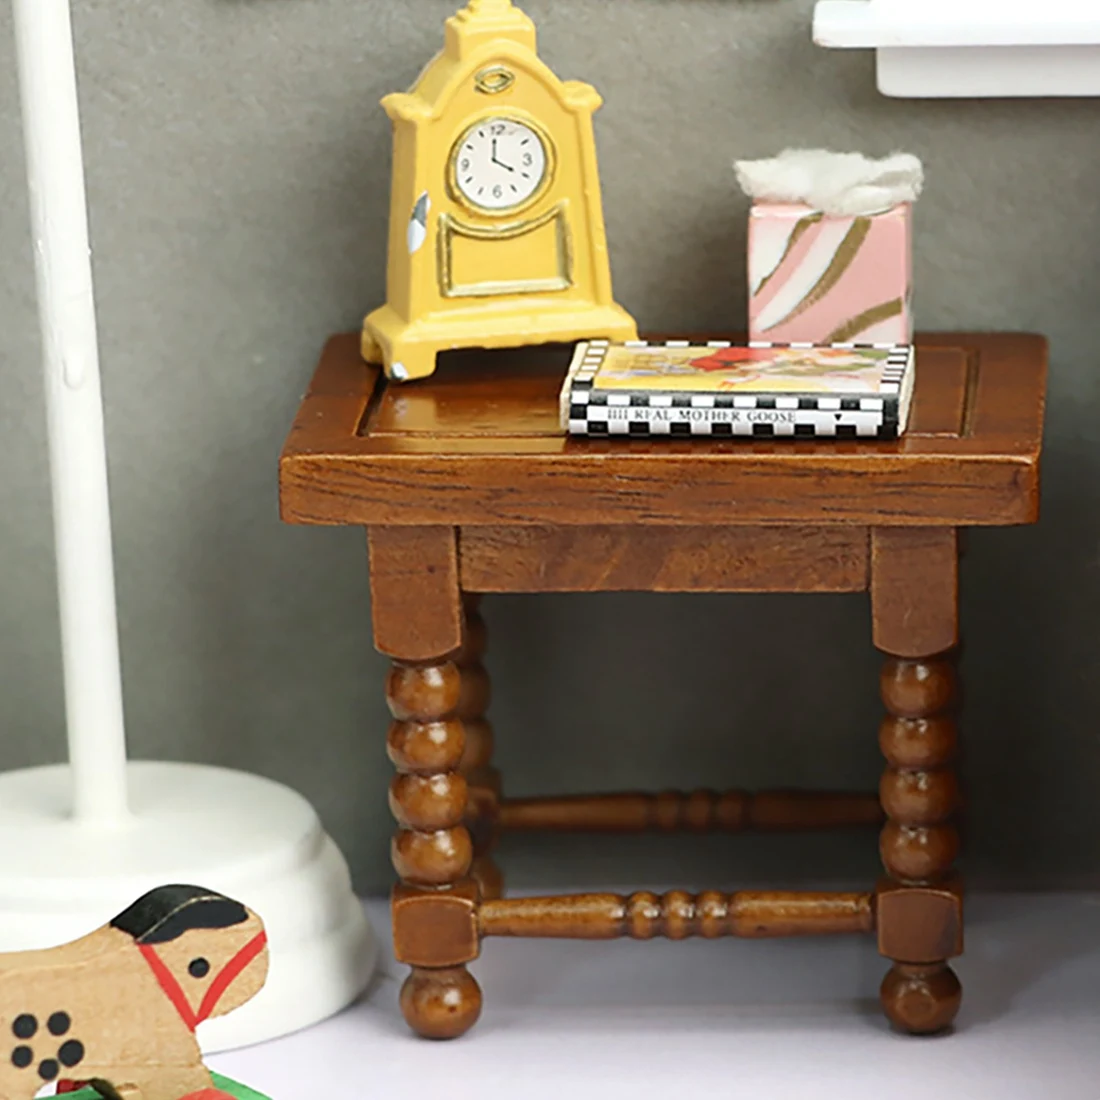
(48,1070)
(199,968)
(59,1023)
(71,1053)
(22,1057)
(25,1026)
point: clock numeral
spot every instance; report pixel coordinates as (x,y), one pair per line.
(498,164)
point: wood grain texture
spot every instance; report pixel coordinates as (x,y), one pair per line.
(416,603)
(946,404)
(663,559)
(473,446)
(465,481)
(696,811)
(914,590)
(677,915)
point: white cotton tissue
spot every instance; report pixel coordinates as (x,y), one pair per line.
(845,184)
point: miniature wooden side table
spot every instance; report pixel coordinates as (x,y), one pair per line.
(465,485)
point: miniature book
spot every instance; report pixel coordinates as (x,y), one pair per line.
(843,391)
(830,247)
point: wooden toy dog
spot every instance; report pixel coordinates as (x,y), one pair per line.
(119,1008)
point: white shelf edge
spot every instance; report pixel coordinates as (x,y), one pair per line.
(970,48)
(869,24)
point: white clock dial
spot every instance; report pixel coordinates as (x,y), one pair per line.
(499,163)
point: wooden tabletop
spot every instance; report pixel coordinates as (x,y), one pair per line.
(479,444)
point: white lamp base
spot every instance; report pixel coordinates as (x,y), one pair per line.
(247,837)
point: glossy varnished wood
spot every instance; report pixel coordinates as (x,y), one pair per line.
(416,602)
(914,597)
(678,915)
(432,849)
(483,780)
(664,559)
(914,589)
(477,445)
(695,811)
(466,485)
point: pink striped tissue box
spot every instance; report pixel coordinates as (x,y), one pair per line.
(825,279)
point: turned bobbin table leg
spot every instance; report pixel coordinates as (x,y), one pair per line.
(920,909)
(477,757)
(418,622)
(431,849)
(919,905)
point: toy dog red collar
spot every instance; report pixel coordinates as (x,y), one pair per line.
(222,981)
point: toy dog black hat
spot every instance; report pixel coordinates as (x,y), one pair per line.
(166,913)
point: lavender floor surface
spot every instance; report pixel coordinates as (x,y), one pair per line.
(788,1018)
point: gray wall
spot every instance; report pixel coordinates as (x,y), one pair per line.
(238,174)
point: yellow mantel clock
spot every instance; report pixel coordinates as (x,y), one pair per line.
(496,228)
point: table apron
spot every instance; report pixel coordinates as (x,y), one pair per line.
(655,558)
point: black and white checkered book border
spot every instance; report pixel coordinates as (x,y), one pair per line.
(606,413)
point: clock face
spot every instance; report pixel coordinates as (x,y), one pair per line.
(499,163)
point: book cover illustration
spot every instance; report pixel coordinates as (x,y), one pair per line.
(675,388)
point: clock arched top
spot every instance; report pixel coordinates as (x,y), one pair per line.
(448,76)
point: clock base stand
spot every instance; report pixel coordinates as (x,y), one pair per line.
(408,350)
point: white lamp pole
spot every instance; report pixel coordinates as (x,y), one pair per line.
(82,842)
(78,457)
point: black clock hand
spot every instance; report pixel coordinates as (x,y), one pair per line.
(499,163)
